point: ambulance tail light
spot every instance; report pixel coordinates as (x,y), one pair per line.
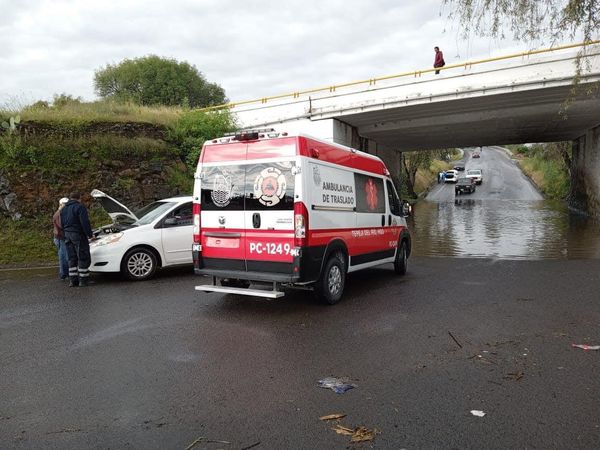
(300,225)
(196,209)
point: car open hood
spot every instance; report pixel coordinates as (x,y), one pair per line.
(114,209)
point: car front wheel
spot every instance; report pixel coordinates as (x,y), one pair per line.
(139,264)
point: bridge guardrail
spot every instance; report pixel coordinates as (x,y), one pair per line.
(414,73)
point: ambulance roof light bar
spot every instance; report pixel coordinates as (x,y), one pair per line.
(249,135)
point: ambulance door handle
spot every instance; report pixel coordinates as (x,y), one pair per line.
(383,221)
(389,220)
(256,220)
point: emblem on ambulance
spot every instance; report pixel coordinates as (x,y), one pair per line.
(221,192)
(316,175)
(270,186)
(371,192)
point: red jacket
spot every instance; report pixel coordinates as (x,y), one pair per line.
(439,59)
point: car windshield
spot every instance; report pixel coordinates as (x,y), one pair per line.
(464,181)
(474,172)
(150,212)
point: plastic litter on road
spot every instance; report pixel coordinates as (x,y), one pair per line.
(477,413)
(586,347)
(337,385)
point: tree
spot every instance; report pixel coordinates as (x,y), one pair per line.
(195,127)
(528,20)
(152,80)
(412,162)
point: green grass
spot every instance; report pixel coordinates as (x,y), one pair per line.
(99,111)
(28,241)
(549,175)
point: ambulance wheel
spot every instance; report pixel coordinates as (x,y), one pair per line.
(401,261)
(139,264)
(234,282)
(330,286)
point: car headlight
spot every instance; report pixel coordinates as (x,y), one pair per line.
(110,239)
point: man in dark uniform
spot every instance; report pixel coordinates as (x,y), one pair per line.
(77,229)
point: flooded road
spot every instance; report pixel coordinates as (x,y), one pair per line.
(504,218)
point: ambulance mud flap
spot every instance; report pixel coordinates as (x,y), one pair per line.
(274,293)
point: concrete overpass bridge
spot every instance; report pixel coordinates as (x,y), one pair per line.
(525,97)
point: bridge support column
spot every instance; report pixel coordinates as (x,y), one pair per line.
(585,173)
(348,135)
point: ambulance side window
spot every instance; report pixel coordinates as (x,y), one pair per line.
(370,196)
(393,199)
(223,188)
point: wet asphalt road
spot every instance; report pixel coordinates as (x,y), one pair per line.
(502,179)
(157,365)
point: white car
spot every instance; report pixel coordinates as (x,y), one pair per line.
(451,176)
(476,174)
(158,235)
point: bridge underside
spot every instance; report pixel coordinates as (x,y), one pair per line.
(540,115)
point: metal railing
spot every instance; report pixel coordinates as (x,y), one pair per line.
(414,73)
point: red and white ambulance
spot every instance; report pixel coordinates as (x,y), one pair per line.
(292,211)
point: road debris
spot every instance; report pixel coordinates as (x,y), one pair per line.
(65,430)
(483,359)
(332,417)
(204,440)
(477,413)
(586,347)
(337,385)
(251,446)
(516,376)
(358,434)
(455,340)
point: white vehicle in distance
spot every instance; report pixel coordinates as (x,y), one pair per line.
(136,244)
(475,174)
(451,176)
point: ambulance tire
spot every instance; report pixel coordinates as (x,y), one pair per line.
(139,264)
(330,286)
(234,282)
(401,261)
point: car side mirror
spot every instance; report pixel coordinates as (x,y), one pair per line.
(406,208)
(170,221)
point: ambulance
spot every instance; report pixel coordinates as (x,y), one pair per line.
(273,211)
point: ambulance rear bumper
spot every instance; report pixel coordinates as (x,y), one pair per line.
(251,276)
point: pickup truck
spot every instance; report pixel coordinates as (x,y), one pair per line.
(476,175)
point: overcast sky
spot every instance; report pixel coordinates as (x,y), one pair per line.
(251,48)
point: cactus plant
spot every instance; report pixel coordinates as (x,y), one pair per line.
(12,123)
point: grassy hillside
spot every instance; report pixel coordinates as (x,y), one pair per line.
(545,165)
(135,154)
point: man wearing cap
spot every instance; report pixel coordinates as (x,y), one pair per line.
(77,229)
(59,241)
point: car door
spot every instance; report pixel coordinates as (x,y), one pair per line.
(176,235)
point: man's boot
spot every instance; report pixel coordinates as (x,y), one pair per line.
(73,281)
(83,282)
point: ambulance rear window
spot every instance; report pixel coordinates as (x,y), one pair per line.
(250,187)
(269,186)
(223,188)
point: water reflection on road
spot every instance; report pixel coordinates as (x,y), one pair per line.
(503,229)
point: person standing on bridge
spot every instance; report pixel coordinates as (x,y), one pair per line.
(439,59)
